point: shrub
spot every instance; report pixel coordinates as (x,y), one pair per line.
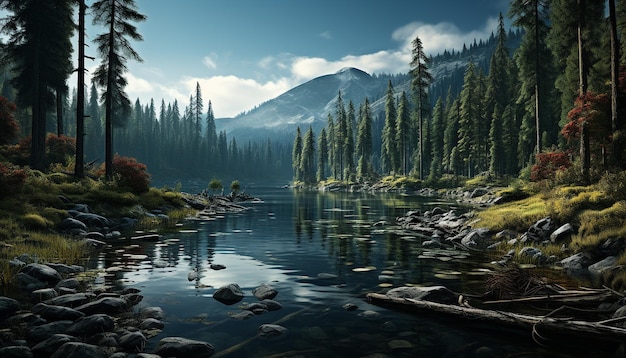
(11,179)
(215,185)
(59,148)
(129,173)
(547,165)
(36,222)
(8,125)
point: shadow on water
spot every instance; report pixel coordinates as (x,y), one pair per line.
(321,251)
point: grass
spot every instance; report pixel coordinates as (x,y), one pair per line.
(29,215)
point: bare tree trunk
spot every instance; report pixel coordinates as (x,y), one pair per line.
(615,120)
(582,72)
(108,165)
(537,66)
(79,166)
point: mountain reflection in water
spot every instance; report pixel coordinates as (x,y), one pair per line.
(320,251)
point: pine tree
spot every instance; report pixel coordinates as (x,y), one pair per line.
(341,133)
(403,135)
(330,125)
(437,134)
(296,157)
(389,157)
(39,51)
(322,156)
(364,142)
(307,158)
(114,50)
(419,85)
(211,135)
(469,99)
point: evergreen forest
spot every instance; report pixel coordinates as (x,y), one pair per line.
(550,108)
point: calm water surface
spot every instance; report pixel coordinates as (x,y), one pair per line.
(320,251)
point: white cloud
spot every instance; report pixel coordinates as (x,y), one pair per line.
(442,36)
(231,94)
(210,61)
(326,35)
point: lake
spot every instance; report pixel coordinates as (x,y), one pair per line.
(321,251)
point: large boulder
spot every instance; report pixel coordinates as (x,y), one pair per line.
(182,347)
(8,307)
(576,265)
(563,233)
(49,346)
(108,305)
(42,332)
(229,294)
(133,341)
(79,350)
(89,325)
(43,273)
(71,300)
(16,352)
(601,266)
(71,225)
(56,313)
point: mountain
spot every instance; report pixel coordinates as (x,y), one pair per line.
(305,105)
(310,103)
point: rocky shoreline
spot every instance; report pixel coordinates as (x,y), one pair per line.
(58,311)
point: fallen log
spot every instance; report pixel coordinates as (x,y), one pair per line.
(538,325)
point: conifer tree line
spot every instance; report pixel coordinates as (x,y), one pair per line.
(532,102)
(170,138)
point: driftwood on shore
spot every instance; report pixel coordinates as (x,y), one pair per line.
(539,326)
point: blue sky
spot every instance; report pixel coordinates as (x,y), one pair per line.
(244,52)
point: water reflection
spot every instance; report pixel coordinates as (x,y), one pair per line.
(320,251)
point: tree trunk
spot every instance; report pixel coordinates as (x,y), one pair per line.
(79,167)
(585,156)
(108,165)
(615,120)
(38,128)
(537,66)
(59,105)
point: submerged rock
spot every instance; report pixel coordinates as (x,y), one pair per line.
(271,330)
(182,347)
(229,294)
(433,293)
(265,291)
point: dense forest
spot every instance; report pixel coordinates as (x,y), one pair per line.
(544,95)
(552,106)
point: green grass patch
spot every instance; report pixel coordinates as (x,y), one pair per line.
(517,216)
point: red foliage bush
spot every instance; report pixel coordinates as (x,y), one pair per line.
(8,125)
(592,108)
(547,164)
(11,179)
(59,147)
(131,173)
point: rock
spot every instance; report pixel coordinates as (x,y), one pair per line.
(540,231)
(24,282)
(152,312)
(229,294)
(243,315)
(478,192)
(217,267)
(599,267)
(43,294)
(438,294)
(529,251)
(389,326)
(182,347)
(326,276)
(254,306)
(16,352)
(8,307)
(56,313)
(66,269)
(151,323)
(93,220)
(79,350)
(47,347)
(71,300)
(477,239)
(350,307)
(71,224)
(396,344)
(271,305)
(25,318)
(106,339)
(369,314)
(562,233)
(133,341)
(265,291)
(271,330)
(576,265)
(71,283)
(95,243)
(89,325)
(108,305)
(42,332)
(43,273)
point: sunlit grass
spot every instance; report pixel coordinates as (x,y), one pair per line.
(517,216)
